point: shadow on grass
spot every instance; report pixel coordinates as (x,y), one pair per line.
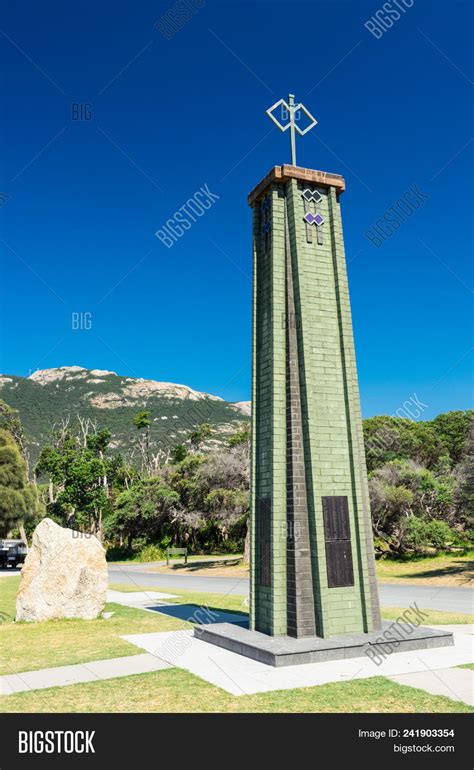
(458,569)
(195,566)
(203,615)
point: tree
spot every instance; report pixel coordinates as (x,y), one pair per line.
(241,436)
(395,438)
(465,489)
(79,478)
(241,439)
(453,429)
(18,498)
(10,421)
(198,436)
(142,423)
(401,491)
(178,453)
(142,511)
(227,507)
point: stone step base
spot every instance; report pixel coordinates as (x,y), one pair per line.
(288,651)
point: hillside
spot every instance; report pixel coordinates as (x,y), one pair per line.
(111,400)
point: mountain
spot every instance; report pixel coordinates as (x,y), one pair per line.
(48,396)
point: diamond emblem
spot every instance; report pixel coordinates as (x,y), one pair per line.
(289,112)
(286,112)
(313,219)
(312,195)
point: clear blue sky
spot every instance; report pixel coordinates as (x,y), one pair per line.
(170,115)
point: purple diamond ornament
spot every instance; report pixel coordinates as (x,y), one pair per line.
(313,219)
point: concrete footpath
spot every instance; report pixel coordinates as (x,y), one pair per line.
(239,675)
(94,671)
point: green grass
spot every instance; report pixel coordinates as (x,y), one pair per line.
(433,617)
(31,646)
(177,691)
(55,643)
(8,590)
(467,665)
(453,568)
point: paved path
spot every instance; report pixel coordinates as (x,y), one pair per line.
(239,675)
(391,594)
(96,670)
(454,683)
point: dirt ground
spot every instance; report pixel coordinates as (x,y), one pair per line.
(230,567)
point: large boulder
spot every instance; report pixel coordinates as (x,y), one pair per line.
(64,576)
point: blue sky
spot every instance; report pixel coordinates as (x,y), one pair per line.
(82,199)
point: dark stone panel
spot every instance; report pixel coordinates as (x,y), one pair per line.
(337,534)
(339,563)
(336,517)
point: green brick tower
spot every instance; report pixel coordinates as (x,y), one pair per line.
(313,570)
(313,592)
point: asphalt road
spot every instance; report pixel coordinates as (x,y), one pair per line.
(391,595)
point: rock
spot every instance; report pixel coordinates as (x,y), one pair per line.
(64,576)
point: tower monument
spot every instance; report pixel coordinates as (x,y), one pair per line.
(313,570)
(313,589)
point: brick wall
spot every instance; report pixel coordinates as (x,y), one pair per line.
(328,453)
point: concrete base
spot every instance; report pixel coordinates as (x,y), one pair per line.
(287,651)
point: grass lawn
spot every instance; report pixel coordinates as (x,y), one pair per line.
(32,646)
(467,665)
(433,617)
(176,691)
(444,569)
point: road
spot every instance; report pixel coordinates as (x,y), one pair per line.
(391,594)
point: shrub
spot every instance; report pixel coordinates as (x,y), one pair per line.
(151,553)
(416,535)
(438,534)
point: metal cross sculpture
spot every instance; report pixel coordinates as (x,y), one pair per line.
(293,111)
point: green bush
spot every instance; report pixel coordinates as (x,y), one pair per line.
(420,534)
(464,538)
(416,536)
(152,553)
(165,543)
(119,553)
(438,534)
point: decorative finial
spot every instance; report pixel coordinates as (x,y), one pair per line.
(291,113)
